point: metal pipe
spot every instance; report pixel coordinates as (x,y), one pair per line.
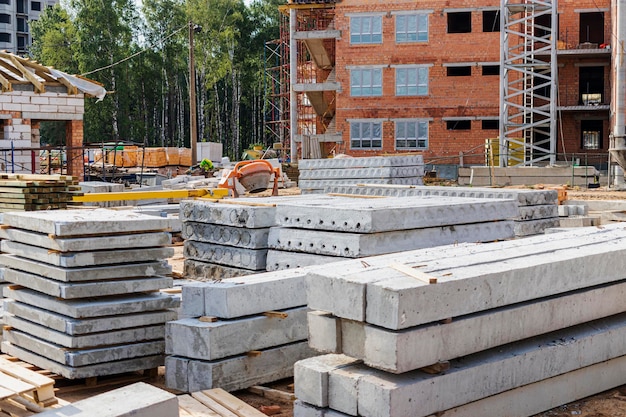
(618,137)
(293,79)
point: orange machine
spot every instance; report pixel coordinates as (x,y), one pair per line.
(253,175)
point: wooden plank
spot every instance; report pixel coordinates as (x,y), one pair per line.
(232,403)
(19,372)
(6,393)
(272,394)
(14,384)
(14,410)
(213,405)
(412,272)
(194,407)
(276,314)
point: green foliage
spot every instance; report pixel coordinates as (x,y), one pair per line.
(148,100)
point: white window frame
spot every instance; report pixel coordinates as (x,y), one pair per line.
(366,81)
(420,136)
(417,85)
(419,35)
(364,126)
(366,29)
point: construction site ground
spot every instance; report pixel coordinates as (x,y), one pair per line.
(611,403)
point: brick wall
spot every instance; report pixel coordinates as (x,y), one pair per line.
(474,97)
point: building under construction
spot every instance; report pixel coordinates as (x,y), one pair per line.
(515,82)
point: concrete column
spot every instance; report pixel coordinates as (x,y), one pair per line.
(74,142)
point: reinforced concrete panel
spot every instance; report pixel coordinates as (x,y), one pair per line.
(358,245)
(234,373)
(136,400)
(83,357)
(206,271)
(494,371)
(226,235)
(311,377)
(84,222)
(533,227)
(278,259)
(89,340)
(95,307)
(372,161)
(72,326)
(327,186)
(362,173)
(195,339)
(81,244)
(251,259)
(242,215)
(87,289)
(88,371)
(93,273)
(78,259)
(387,214)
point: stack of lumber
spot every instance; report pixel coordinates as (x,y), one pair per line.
(538,210)
(30,192)
(517,327)
(216,403)
(334,228)
(23,391)
(238,332)
(317,174)
(85,301)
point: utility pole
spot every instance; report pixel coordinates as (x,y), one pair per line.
(193,123)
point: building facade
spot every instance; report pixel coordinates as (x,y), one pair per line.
(14,23)
(376,77)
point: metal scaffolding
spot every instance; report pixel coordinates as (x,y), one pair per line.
(528,82)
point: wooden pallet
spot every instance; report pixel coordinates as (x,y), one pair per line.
(23,391)
(215,403)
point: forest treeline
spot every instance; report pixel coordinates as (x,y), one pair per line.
(140,53)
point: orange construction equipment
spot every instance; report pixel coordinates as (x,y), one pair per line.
(253,175)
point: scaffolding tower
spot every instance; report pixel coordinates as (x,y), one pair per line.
(528,82)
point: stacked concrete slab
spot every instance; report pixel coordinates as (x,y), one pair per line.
(317,174)
(238,332)
(86,300)
(538,210)
(313,233)
(518,326)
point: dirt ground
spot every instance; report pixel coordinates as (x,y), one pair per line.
(607,404)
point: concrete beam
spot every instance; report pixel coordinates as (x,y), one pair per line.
(363,162)
(311,377)
(204,271)
(238,257)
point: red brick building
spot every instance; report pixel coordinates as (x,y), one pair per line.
(376,77)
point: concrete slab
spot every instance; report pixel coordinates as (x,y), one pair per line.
(78,259)
(575,221)
(195,339)
(545,211)
(97,272)
(524,197)
(83,222)
(95,307)
(414,348)
(372,161)
(324,332)
(358,245)
(226,235)
(494,371)
(362,173)
(90,340)
(206,271)
(535,227)
(311,377)
(243,296)
(532,399)
(136,400)
(252,259)
(326,185)
(235,373)
(393,213)
(278,260)
(71,326)
(350,278)
(251,217)
(81,244)
(82,357)
(100,369)
(87,289)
